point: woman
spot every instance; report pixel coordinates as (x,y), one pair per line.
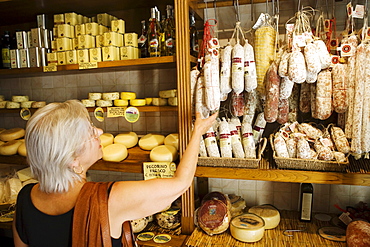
(62,145)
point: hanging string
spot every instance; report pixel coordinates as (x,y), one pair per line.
(208,34)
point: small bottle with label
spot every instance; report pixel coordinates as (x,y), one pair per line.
(154,36)
(169,33)
(143,41)
(306,200)
(5,50)
(194,46)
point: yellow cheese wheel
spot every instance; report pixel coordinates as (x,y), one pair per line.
(149,101)
(20,98)
(22,149)
(138,102)
(12,134)
(268,213)
(129,139)
(247,228)
(3,104)
(121,102)
(115,152)
(150,141)
(128,95)
(38,104)
(165,153)
(26,104)
(173,140)
(10,147)
(106,139)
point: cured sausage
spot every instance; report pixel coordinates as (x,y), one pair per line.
(237,69)
(286,87)
(225,76)
(324,95)
(211,143)
(237,104)
(211,81)
(199,97)
(283,64)
(283,111)
(280,146)
(312,58)
(305,98)
(323,53)
(248,141)
(259,127)
(250,74)
(339,73)
(236,144)
(194,73)
(225,139)
(297,67)
(294,104)
(272,94)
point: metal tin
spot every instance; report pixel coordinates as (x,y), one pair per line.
(103,29)
(127,52)
(92,28)
(46,38)
(99,40)
(59,19)
(103,19)
(95,54)
(80,29)
(29,39)
(43,56)
(52,58)
(42,21)
(36,40)
(110,53)
(118,26)
(74,43)
(85,41)
(70,18)
(15,59)
(64,44)
(54,46)
(131,39)
(22,39)
(24,58)
(83,55)
(35,57)
(71,57)
(113,39)
(61,58)
(79,19)
(65,30)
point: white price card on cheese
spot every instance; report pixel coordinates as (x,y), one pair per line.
(158,170)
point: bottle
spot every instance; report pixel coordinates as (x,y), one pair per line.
(169,33)
(194,46)
(154,36)
(306,201)
(143,41)
(5,50)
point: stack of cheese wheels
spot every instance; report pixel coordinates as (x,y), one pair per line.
(129,139)
(106,139)
(22,149)
(268,213)
(163,153)
(237,204)
(169,219)
(115,152)
(247,228)
(139,224)
(11,141)
(150,141)
(173,140)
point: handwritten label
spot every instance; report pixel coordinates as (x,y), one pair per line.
(116,111)
(90,65)
(158,170)
(49,68)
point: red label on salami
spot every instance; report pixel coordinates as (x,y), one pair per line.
(212,213)
(247,134)
(224,136)
(209,134)
(237,60)
(234,132)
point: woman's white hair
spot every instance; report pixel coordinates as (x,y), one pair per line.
(55,136)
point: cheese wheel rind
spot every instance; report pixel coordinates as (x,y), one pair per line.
(104,103)
(138,102)
(12,105)
(129,139)
(268,213)
(12,134)
(242,230)
(128,95)
(120,102)
(10,147)
(172,139)
(88,102)
(22,149)
(163,153)
(94,96)
(110,96)
(150,141)
(115,152)
(19,98)
(106,139)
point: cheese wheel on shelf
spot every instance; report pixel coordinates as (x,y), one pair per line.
(12,188)
(120,102)
(165,153)
(110,96)
(3,104)
(173,140)
(139,224)
(128,95)
(12,105)
(268,213)
(159,101)
(247,228)
(22,149)
(2,191)
(10,147)
(129,139)
(38,104)
(138,102)
(18,98)
(115,152)
(94,96)
(106,139)
(104,103)
(88,102)
(12,134)
(150,141)
(27,104)
(149,101)
(172,101)
(24,174)
(168,93)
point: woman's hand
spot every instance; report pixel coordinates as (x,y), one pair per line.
(201,126)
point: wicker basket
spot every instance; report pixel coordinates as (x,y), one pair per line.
(307,164)
(235,162)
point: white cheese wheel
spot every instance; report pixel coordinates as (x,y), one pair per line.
(159,101)
(24,174)
(149,101)
(173,140)
(88,102)
(128,95)
(150,141)
(104,103)
(168,93)
(138,102)
(106,139)
(10,147)
(247,228)
(3,104)
(12,187)
(94,96)
(139,224)
(2,192)
(12,134)
(121,102)
(38,104)
(12,105)
(268,213)
(172,101)
(165,153)
(129,139)
(20,98)
(110,96)
(27,104)
(22,149)
(115,152)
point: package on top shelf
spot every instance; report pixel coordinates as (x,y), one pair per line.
(58,19)
(71,57)
(86,41)
(113,39)
(24,58)
(95,54)
(52,58)
(65,30)
(128,52)
(70,18)
(61,58)
(92,28)
(83,56)
(99,39)
(105,19)
(131,39)
(42,21)
(64,44)
(118,26)
(15,59)
(22,39)
(80,29)
(110,53)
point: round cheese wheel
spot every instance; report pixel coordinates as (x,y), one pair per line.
(358,234)
(160,101)
(139,224)
(165,153)
(115,152)
(26,104)
(173,140)
(12,134)
(110,96)
(268,213)
(129,139)
(12,187)
(128,95)
(94,96)
(138,102)
(38,104)
(247,228)
(10,147)
(149,101)
(106,139)
(12,105)
(121,102)
(3,104)
(213,217)
(104,103)
(20,98)
(22,149)
(169,219)
(88,102)
(150,141)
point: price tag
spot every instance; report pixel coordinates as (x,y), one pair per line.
(90,65)
(359,11)
(132,114)
(158,170)
(99,114)
(116,111)
(299,40)
(25,113)
(50,68)
(346,50)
